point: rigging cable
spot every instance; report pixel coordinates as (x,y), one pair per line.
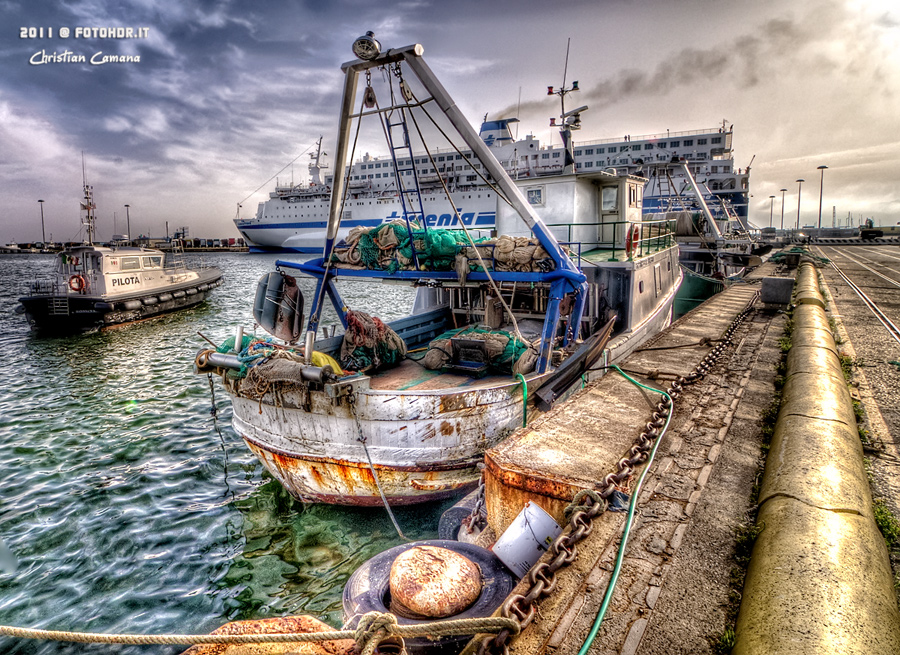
(459,218)
(276,175)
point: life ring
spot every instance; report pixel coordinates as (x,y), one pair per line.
(631,240)
(368,590)
(77,283)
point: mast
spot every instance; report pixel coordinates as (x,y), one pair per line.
(565,277)
(316,166)
(88,205)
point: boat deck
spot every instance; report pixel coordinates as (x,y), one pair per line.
(606,255)
(410,374)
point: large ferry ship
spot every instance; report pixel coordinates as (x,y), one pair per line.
(295,216)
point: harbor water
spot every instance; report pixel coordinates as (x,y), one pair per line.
(128,506)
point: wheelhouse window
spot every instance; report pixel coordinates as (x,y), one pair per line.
(609,199)
(130,264)
(153,261)
(634,195)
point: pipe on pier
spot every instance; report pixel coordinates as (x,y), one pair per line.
(819,579)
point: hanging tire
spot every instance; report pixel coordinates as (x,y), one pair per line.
(452,519)
(368,590)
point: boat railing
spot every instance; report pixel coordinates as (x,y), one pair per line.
(653,236)
(47,288)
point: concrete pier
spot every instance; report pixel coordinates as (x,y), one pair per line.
(577,444)
(819,580)
(816,583)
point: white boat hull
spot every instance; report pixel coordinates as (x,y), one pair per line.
(423,445)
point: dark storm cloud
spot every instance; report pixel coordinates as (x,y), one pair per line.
(771,52)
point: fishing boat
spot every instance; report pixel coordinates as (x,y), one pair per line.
(94,287)
(501,328)
(717,247)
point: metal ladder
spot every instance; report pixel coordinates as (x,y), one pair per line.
(676,201)
(59,306)
(410,196)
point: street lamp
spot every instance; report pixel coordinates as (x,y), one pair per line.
(128,223)
(783,191)
(771,208)
(799,190)
(821,182)
(43,236)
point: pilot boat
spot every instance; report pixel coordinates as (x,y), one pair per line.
(502,327)
(95,287)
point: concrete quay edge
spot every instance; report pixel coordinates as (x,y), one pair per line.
(819,579)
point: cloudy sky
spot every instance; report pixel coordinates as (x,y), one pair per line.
(229,92)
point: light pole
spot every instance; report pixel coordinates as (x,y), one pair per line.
(771,208)
(43,236)
(783,191)
(821,182)
(799,190)
(128,222)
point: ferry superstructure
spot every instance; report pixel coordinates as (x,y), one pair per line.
(295,216)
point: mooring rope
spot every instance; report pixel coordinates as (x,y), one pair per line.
(372,626)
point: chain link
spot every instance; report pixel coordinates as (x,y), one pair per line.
(476,520)
(588,504)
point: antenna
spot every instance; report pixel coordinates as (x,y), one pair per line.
(568,120)
(88,204)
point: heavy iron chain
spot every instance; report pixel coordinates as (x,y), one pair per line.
(591,503)
(475,520)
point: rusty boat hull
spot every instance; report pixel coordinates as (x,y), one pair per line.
(337,444)
(417,446)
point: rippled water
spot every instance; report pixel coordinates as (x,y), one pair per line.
(128,508)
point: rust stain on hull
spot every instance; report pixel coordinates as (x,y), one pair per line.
(345,482)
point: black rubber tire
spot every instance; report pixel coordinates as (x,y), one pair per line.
(451,519)
(367,590)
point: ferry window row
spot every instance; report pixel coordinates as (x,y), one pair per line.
(648,146)
(406,162)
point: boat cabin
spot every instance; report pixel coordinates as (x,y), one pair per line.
(95,270)
(595,210)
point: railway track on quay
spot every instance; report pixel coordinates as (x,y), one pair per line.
(864,285)
(859,269)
